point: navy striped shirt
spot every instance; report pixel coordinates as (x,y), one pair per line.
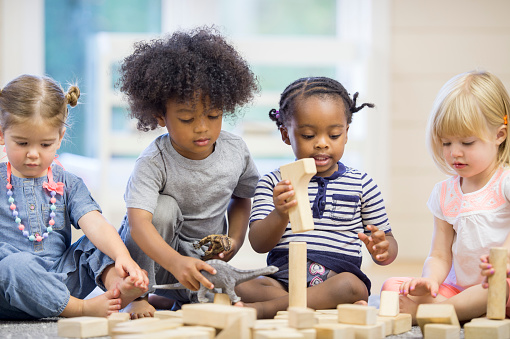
(342,205)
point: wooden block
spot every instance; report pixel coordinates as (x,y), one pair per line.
(388,324)
(299,173)
(116,318)
(369,331)
(277,334)
(441,331)
(334,331)
(185,332)
(308,333)
(436,314)
(326,318)
(270,324)
(327,311)
(237,329)
(389,304)
(168,314)
(300,317)
(401,323)
(83,327)
(136,326)
(357,314)
(483,328)
(218,316)
(496,302)
(297,274)
(222,299)
(193,331)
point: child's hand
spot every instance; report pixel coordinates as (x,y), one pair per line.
(125,266)
(227,255)
(187,272)
(488,270)
(419,287)
(376,243)
(281,193)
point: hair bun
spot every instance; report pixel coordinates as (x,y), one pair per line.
(72,95)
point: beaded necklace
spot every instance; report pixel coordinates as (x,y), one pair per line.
(53,188)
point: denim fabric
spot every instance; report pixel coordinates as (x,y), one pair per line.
(37,278)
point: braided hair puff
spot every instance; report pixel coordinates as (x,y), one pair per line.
(306,87)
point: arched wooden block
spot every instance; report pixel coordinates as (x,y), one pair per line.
(299,173)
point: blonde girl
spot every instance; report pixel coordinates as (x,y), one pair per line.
(41,273)
(467,135)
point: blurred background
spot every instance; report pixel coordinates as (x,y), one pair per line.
(395,53)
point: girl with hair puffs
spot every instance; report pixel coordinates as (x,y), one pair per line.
(467,135)
(196,179)
(41,273)
(347,206)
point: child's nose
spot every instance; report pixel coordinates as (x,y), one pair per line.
(456,151)
(321,142)
(32,153)
(201,125)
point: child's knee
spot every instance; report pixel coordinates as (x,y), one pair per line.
(393,284)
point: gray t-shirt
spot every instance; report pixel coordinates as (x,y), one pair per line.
(202,188)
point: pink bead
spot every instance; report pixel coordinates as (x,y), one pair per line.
(8,186)
(51,222)
(53,200)
(38,238)
(13,207)
(21,227)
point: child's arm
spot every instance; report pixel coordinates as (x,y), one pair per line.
(382,246)
(264,234)
(238,216)
(185,269)
(438,263)
(104,236)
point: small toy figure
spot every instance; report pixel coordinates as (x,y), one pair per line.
(217,244)
(227,277)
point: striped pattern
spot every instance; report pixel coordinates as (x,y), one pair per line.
(342,205)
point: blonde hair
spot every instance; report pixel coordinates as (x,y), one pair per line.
(28,97)
(469,104)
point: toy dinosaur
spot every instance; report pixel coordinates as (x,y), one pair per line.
(227,277)
(217,244)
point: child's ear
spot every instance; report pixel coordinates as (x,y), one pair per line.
(285,135)
(161,121)
(502,134)
(2,139)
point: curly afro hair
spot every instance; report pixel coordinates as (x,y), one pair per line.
(185,66)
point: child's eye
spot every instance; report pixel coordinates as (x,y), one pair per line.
(21,143)
(336,136)
(186,121)
(46,145)
(306,136)
(214,117)
(468,143)
(445,144)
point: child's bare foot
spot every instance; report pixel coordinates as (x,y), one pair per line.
(408,306)
(101,306)
(140,308)
(361,302)
(128,290)
(259,307)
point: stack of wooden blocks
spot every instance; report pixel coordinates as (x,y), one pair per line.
(209,321)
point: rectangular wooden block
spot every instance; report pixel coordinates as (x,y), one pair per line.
(297,274)
(369,331)
(483,328)
(436,314)
(167,314)
(496,299)
(301,317)
(83,327)
(357,314)
(299,173)
(388,324)
(389,303)
(218,316)
(277,334)
(116,318)
(334,331)
(137,326)
(402,323)
(441,331)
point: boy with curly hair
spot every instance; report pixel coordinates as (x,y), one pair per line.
(197,179)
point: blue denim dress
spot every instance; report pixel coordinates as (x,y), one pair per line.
(38,278)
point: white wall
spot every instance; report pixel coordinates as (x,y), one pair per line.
(431,41)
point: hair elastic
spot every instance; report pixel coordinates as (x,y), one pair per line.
(505,119)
